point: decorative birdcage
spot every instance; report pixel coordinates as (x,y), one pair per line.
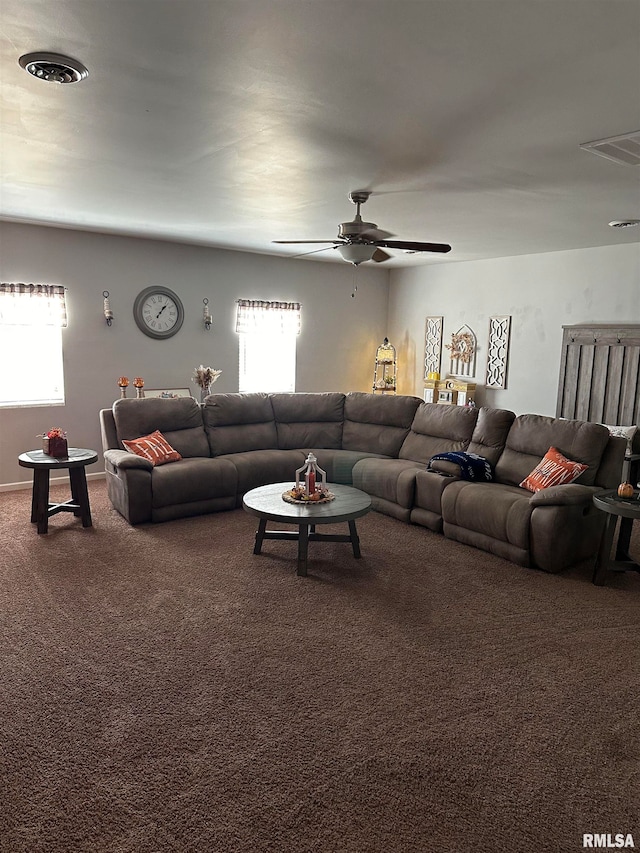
(307,476)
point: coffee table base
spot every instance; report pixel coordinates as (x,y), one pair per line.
(306,533)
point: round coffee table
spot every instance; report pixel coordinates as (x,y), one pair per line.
(266,502)
(627,509)
(76,460)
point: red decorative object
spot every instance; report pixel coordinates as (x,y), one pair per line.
(308,474)
(54,443)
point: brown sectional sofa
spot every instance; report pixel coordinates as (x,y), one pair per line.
(381,444)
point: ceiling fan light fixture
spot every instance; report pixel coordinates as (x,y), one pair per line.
(357,253)
(53,67)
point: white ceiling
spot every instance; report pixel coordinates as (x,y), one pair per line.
(236,123)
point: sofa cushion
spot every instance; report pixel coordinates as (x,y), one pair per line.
(153,447)
(259,467)
(377,423)
(490,432)
(393,480)
(497,511)
(437,428)
(554,469)
(239,422)
(532,435)
(338,464)
(308,420)
(192,480)
(178,419)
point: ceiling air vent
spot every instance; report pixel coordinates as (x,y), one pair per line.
(621,149)
(53,67)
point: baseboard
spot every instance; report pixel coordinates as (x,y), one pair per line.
(14,487)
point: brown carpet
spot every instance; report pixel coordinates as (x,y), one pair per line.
(163,689)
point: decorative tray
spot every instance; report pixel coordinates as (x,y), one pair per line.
(293,497)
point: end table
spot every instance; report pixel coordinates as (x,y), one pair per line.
(42,464)
(627,509)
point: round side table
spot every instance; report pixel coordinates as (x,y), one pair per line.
(627,509)
(42,464)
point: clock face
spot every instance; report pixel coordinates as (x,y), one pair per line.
(158,312)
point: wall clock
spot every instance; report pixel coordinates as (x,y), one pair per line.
(158,312)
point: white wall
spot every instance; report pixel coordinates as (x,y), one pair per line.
(335,352)
(541,292)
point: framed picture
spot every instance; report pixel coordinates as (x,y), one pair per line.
(167,393)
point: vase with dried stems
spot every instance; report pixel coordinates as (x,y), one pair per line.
(204,377)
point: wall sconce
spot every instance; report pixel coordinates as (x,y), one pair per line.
(206,316)
(108,313)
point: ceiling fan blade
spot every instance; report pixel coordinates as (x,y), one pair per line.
(414,247)
(337,242)
(312,252)
(374,234)
(379,255)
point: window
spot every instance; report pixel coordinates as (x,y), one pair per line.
(32,317)
(267,334)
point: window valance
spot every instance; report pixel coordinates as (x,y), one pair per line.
(255,315)
(32,305)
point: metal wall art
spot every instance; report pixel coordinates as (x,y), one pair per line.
(433,345)
(463,352)
(498,351)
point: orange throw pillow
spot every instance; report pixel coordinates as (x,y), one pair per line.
(153,447)
(554,469)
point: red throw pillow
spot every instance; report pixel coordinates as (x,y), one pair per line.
(554,469)
(153,447)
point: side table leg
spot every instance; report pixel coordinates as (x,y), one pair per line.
(80,494)
(40,500)
(624,539)
(604,554)
(303,548)
(262,526)
(355,540)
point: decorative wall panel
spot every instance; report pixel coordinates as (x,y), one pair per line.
(498,351)
(433,345)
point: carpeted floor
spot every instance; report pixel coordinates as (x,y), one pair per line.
(163,689)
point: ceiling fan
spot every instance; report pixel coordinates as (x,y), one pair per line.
(359,241)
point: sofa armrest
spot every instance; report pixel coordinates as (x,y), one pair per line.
(571,494)
(445,467)
(124,459)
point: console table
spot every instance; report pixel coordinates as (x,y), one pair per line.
(42,464)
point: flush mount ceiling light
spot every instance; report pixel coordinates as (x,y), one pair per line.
(624,223)
(53,67)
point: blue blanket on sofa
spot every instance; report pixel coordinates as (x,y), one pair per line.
(472,466)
